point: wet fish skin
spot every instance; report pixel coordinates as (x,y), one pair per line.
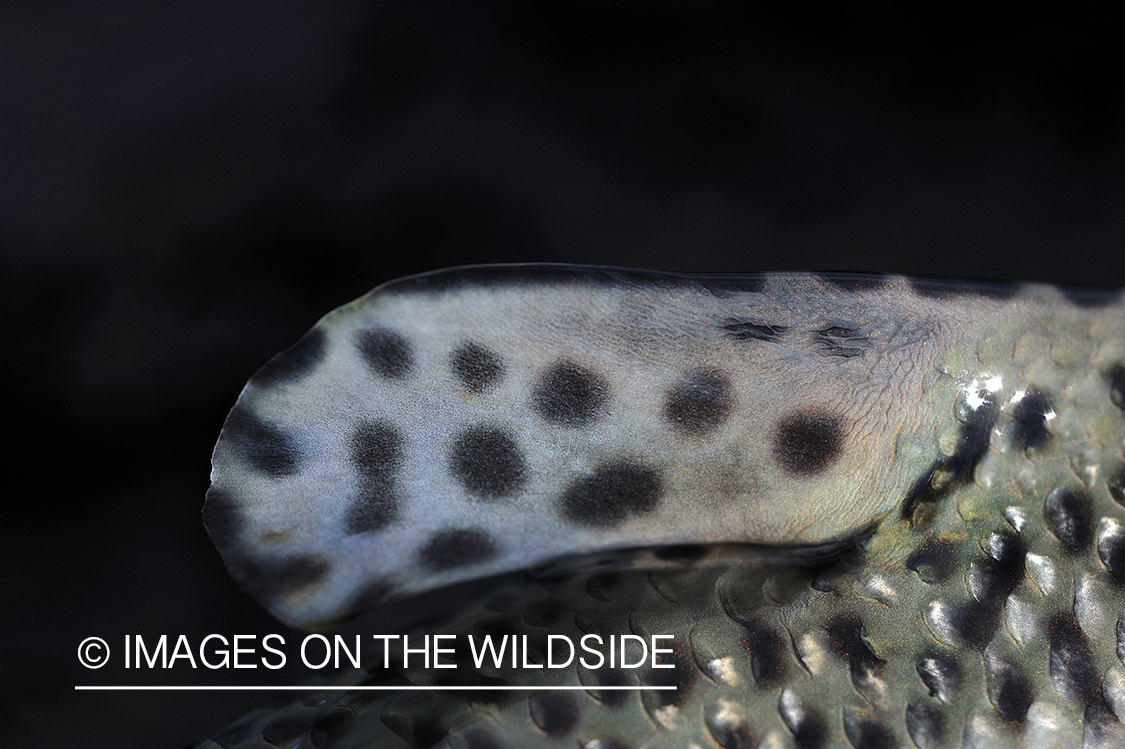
(975,599)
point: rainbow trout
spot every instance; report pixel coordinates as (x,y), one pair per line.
(851,510)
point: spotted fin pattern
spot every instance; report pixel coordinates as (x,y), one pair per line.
(952,453)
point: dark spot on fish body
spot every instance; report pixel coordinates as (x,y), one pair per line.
(1116,485)
(950,473)
(1073,670)
(699,403)
(941,672)
(457,547)
(682,675)
(808,442)
(613,493)
(997,577)
(847,640)
(605,677)
(730,731)
(266,447)
(1111,551)
(935,560)
(386,353)
(570,394)
(1116,378)
(766,647)
(931,486)
(972,446)
(1009,689)
(810,731)
(925,724)
(487,462)
(1069,516)
(554,713)
(476,367)
(1029,420)
(975,622)
(867,732)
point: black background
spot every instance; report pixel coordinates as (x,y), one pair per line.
(185,188)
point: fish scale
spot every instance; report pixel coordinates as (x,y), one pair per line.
(976,601)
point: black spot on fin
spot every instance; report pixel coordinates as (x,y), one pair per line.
(478,368)
(386,352)
(377,451)
(699,403)
(808,441)
(266,447)
(570,394)
(488,462)
(295,363)
(613,493)
(268,578)
(221,518)
(457,547)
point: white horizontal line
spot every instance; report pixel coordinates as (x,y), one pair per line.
(353,688)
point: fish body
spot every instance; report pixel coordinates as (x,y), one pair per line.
(866,510)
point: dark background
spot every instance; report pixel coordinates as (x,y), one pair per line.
(185,187)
